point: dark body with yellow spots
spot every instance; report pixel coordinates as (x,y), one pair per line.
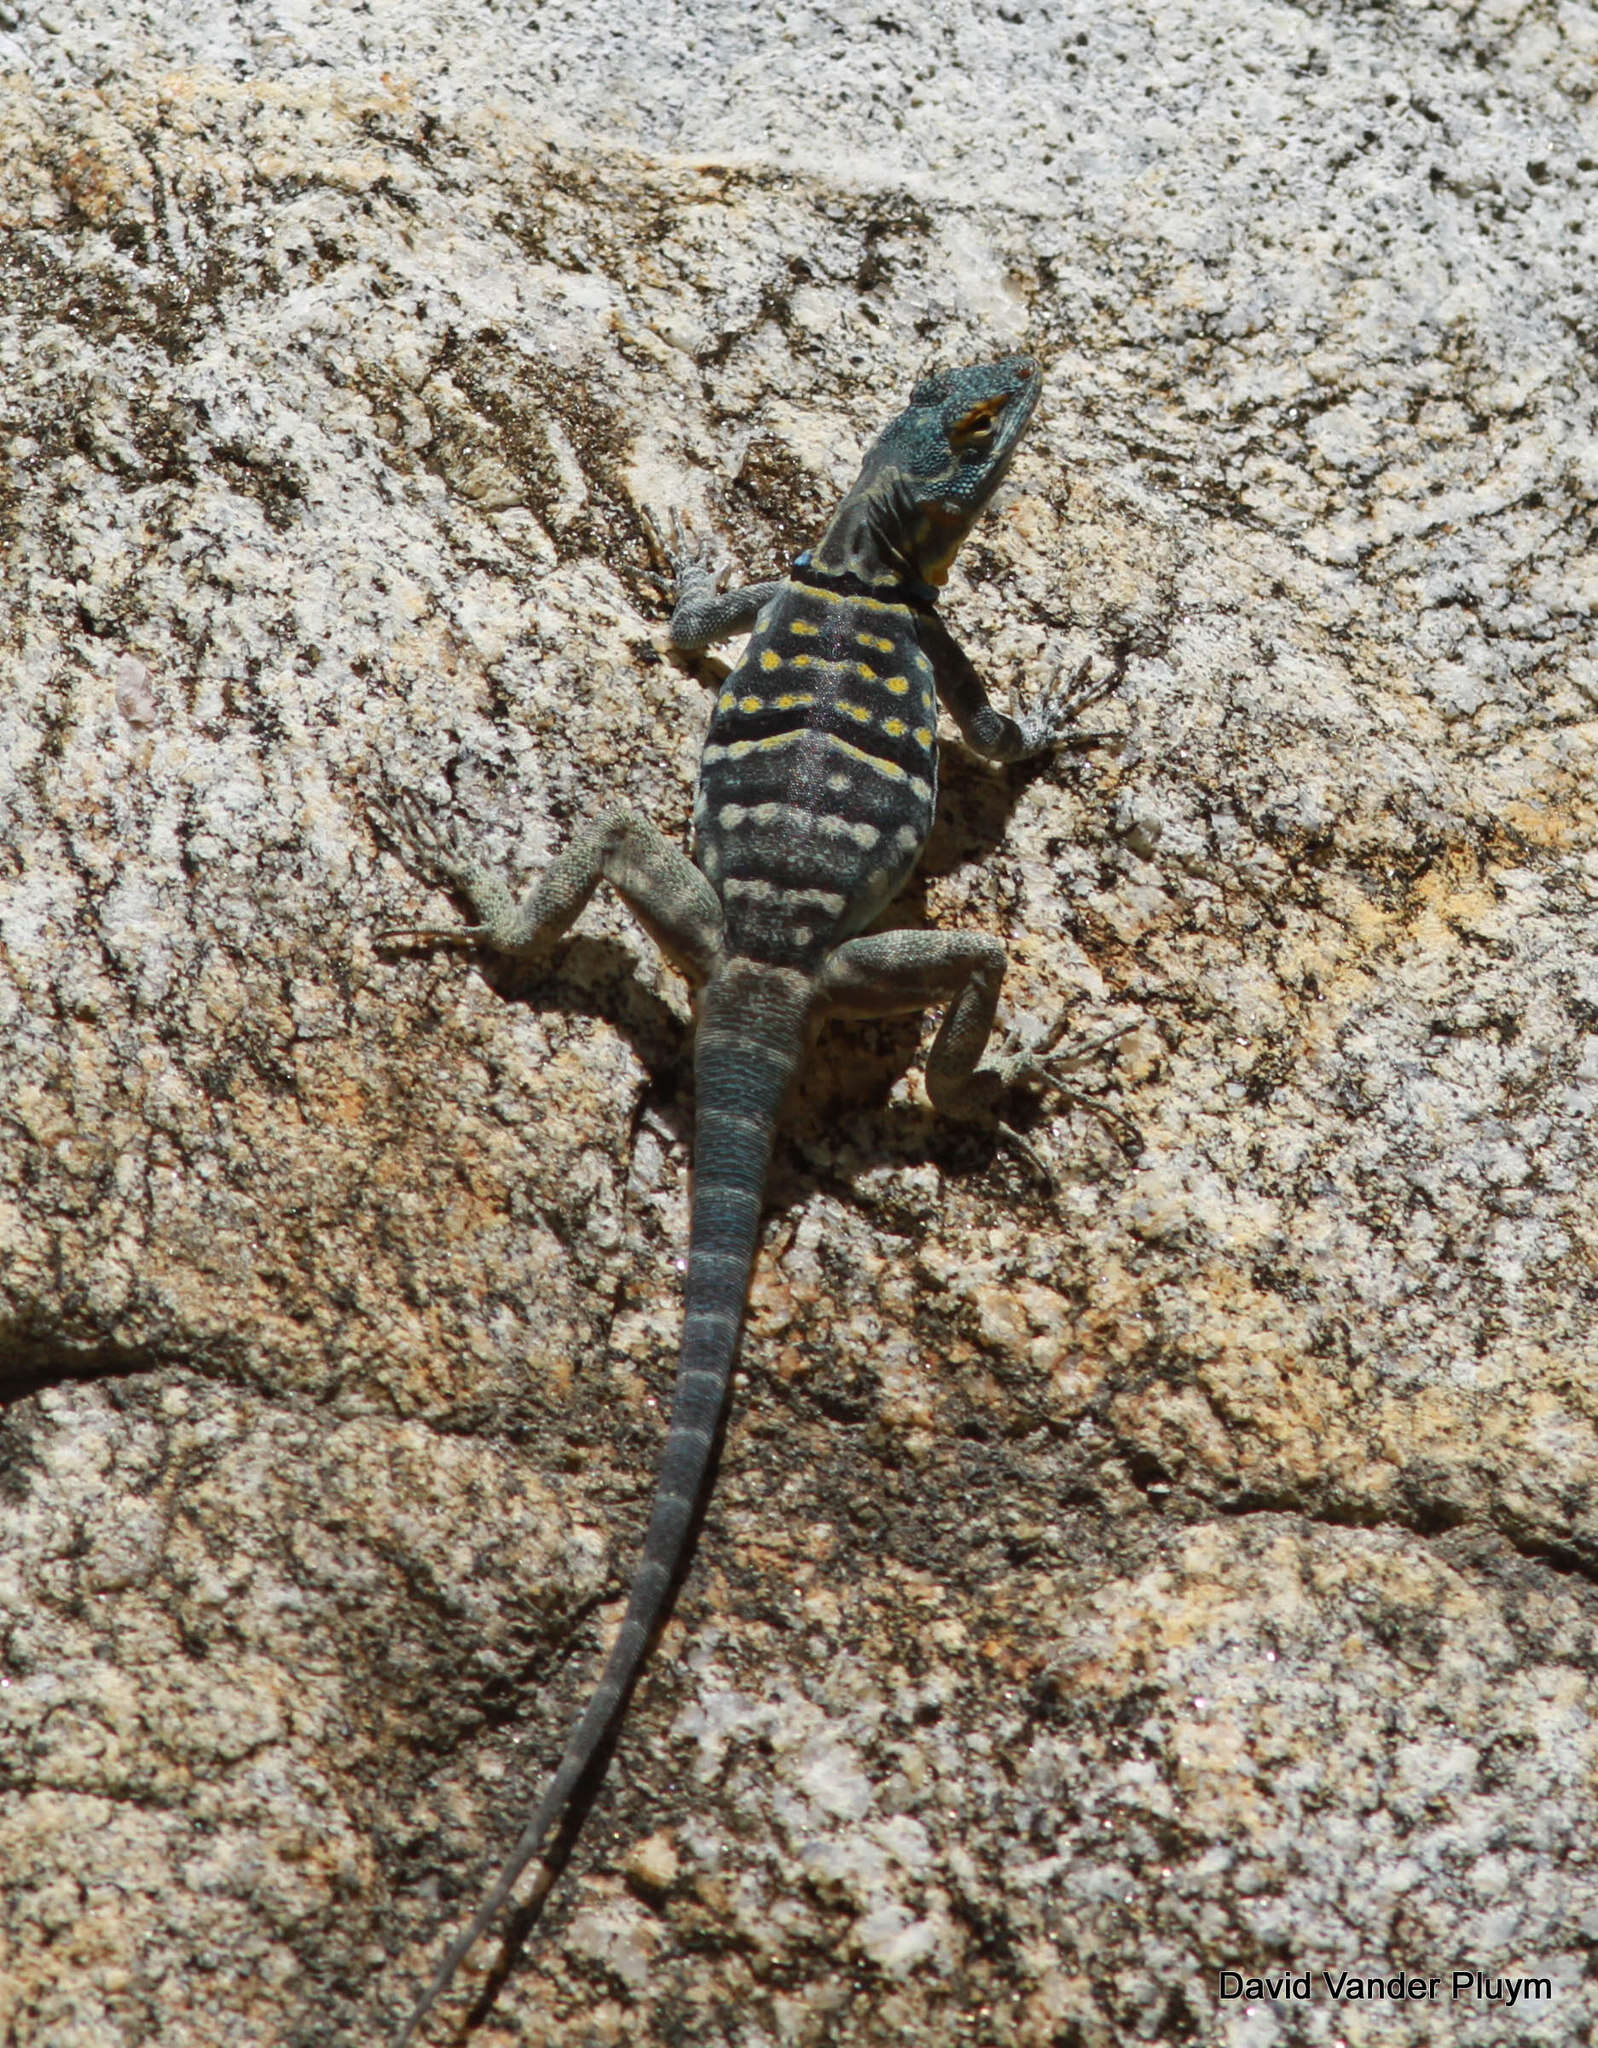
(820,771)
(815,798)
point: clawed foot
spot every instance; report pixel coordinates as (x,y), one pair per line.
(430,843)
(1025,1061)
(687,565)
(1052,717)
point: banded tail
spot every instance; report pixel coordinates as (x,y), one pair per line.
(749,1040)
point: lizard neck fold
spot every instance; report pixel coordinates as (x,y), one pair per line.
(866,545)
(918,596)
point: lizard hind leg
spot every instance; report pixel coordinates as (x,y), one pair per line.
(1024,1060)
(889,973)
(656,879)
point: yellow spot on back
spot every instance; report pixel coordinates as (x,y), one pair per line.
(792,702)
(770,659)
(893,727)
(803,626)
(923,737)
(871,640)
(889,768)
(741,749)
(802,660)
(897,684)
(725,701)
(858,712)
(753,704)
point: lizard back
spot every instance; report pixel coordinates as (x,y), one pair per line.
(820,770)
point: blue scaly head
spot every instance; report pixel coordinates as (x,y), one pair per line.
(928,476)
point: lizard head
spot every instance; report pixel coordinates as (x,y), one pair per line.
(929,474)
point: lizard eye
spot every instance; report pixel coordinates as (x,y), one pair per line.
(974,430)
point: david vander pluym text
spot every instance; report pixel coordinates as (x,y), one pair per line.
(1347,1986)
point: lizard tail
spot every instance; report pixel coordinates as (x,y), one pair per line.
(747,1050)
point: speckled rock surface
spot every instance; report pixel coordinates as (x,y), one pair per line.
(1192,1573)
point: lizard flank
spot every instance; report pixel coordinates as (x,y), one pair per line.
(816,795)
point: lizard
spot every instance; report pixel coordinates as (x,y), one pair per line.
(815,798)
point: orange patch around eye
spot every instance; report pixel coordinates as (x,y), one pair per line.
(979,416)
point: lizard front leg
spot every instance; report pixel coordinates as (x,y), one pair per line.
(991,734)
(703,610)
(658,882)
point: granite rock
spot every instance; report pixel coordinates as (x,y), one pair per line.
(1190,1570)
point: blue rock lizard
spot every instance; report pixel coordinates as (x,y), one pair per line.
(816,795)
